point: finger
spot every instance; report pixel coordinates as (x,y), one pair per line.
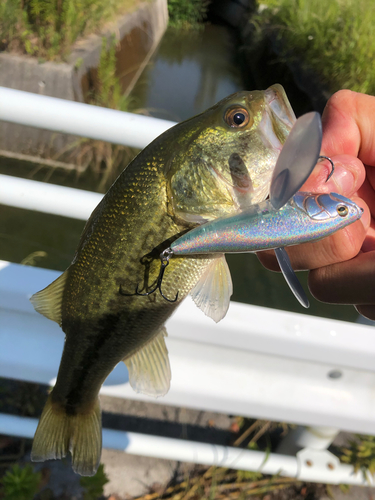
(342,245)
(369,242)
(349,126)
(366,191)
(349,282)
(370,172)
(348,176)
(367,311)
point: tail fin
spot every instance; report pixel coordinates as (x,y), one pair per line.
(58,433)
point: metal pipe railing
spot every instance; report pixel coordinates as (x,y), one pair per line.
(211,454)
(47,198)
(85,120)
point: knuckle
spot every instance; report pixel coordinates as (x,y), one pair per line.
(318,280)
(344,245)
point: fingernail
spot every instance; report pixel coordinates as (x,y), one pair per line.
(343,180)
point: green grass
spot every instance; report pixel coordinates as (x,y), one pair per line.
(47,28)
(334,38)
(187,14)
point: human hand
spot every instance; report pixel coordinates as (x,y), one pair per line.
(343,265)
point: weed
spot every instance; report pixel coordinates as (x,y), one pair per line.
(93,486)
(20,483)
(103,159)
(47,29)
(360,453)
(335,39)
(187,14)
(32,258)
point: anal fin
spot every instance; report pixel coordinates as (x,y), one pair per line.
(149,369)
(213,291)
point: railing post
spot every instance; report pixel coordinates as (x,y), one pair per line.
(316,438)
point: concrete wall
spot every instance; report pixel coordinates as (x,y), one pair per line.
(138,34)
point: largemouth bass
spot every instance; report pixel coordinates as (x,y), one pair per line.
(206,167)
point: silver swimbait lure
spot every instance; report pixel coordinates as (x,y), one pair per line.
(306,217)
(288,218)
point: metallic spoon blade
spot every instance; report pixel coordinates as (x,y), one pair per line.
(290,277)
(297,159)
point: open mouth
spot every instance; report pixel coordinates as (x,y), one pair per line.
(278,102)
(279,118)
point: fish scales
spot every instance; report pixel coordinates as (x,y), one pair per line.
(209,166)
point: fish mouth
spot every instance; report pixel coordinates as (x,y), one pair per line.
(279,105)
(278,119)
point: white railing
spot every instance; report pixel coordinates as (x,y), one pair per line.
(94,122)
(257,362)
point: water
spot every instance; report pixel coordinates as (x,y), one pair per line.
(189,73)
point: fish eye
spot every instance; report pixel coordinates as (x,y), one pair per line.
(237,117)
(342,210)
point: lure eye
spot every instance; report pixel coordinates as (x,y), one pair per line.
(237,117)
(342,210)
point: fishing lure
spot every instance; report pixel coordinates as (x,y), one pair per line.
(306,217)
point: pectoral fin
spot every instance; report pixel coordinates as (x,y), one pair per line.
(213,291)
(149,369)
(290,277)
(48,301)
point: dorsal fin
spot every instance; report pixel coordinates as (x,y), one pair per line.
(149,369)
(213,291)
(48,301)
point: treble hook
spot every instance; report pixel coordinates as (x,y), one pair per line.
(332,164)
(164,258)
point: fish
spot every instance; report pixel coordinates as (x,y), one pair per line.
(211,165)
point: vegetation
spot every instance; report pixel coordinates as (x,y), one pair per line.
(23,483)
(47,28)
(93,485)
(335,39)
(104,159)
(187,14)
(360,453)
(20,483)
